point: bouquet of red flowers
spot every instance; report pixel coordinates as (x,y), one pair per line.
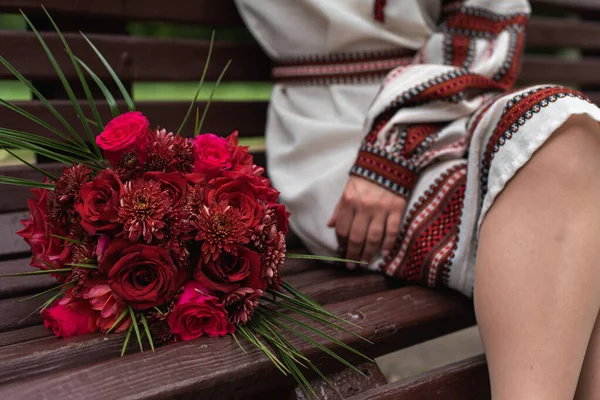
(157,235)
(183,236)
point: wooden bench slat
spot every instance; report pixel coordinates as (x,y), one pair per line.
(24,335)
(19,286)
(548,69)
(556,32)
(224,117)
(14,311)
(11,243)
(208,12)
(134,58)
(466,379)
(565,5)
(392,319)
(22,360)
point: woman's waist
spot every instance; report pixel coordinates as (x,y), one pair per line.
(340,68)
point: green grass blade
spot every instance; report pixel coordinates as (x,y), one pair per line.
(44,141)
(44,101)
(212,93)
(47,264)
(68,239)
(112,103)
(41,308)
(321,258)
(319,345)
(47,291)
(301,296)
(309,307)
(126,342)
(137,329)
(86,90)
(251,337)
(9,180)
(147,329)
(113,74)
(62,78)
(81,265)
(35,119)
(123,314)
(238,343)
(206,63)
(41,272)
(41,171)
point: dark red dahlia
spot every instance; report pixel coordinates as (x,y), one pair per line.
(143,208)
(220,228)
(241,303)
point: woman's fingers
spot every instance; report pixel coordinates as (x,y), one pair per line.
(374,236)
(357,236)
(343,223)
(392,229)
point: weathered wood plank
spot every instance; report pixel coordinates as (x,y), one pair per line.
(224,117)
(19,361)
(207,12)
(548,69)
(347,383)
(462,380)
(392,319)
(10,242)
(14,311)
(24,335)
(135,58)
(557,32)
(582,6)
(22,285)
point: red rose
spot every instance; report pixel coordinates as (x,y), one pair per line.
(245,180)
(239,154)
(37,232)
(143,276)
(98,203)
(230,272)
(174,183)
(239,195)
(211,155)
(70,318)
(198,313)
(124,134)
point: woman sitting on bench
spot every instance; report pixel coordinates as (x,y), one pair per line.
(454,181)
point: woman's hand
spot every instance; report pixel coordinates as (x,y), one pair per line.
(366,219)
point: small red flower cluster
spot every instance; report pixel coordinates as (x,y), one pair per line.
(187,232)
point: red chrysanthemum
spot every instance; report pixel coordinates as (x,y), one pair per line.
(183,160)
(160,151)
(66,191)
(220,228)
(271,242)
(241,303)
(143,208)
(129,166)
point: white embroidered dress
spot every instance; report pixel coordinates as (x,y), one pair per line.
(439,130)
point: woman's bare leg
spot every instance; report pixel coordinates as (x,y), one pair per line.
(537,278)
(589,380)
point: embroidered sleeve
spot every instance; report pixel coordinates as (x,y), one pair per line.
(415,118)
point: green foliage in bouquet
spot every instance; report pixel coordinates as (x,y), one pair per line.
(276,317)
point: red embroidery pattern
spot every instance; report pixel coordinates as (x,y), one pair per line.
(415,136)
(460,51)
(425,248)
(491,23)
(388,172)
(378,10)
(341,68)
(517,112)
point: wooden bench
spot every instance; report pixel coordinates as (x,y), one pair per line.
(34,364)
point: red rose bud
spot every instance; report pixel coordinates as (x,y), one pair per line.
(143,276)
(98,203)
(70,318)
(212,155)
(126,133)
(229,271)
(197,313)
